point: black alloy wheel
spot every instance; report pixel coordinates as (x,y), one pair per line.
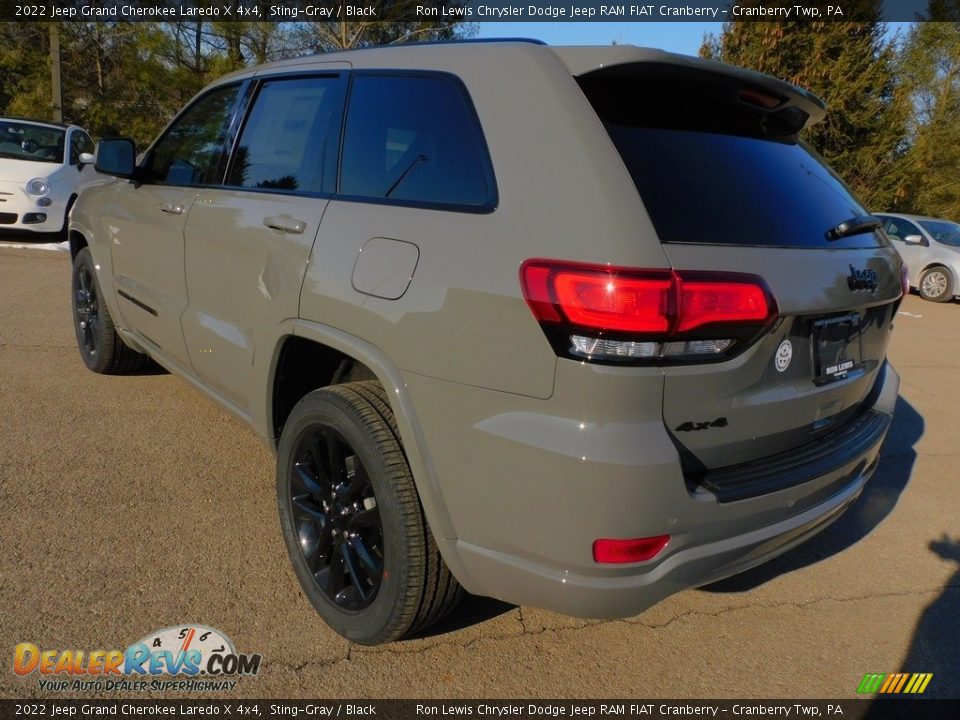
(337,521)
(101,347)
(86,309)
(352,520)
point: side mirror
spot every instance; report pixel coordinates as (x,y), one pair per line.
(913,239)
(116,156)
(87,159)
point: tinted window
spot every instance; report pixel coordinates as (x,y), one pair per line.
(413,139)
(80,142)
(285,141)
(710,170)
(947,233)
(898,228)
(191,152)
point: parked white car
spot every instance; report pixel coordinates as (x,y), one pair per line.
(42,170)
(931,249)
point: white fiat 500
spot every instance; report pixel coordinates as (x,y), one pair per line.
(42,169)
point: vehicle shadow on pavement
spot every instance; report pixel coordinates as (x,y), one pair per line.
(472,610)
(879,497)
(151,368)
(933,648)
(936,641)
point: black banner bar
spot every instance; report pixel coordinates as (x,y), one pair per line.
(468,10)
(859,709)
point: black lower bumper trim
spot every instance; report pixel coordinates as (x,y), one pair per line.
(808,462)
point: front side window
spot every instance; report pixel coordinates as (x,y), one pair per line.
(80,143)
(898,228)
(414,139)
(286,142)
(192,150)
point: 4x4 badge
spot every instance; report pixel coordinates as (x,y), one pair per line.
(863,279)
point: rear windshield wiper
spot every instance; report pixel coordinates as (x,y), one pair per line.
(854,226)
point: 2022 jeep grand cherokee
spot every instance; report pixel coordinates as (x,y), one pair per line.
(573,327)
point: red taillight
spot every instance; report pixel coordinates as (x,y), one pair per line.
(614,302)
(705,302)
(628,551)
(654,302)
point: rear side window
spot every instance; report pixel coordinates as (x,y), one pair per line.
(192,150)
(711,170)
(947,233)
(414,140)
(285,142)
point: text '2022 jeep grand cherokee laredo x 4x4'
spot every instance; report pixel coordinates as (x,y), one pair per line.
(578,338)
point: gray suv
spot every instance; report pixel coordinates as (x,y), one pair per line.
(579,338)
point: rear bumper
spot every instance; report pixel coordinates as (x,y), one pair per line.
(524,536)
(624,596)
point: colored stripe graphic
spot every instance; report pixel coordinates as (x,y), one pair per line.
(893,683)
(871,682)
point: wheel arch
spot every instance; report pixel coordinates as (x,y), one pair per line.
(330,347)
(77,242)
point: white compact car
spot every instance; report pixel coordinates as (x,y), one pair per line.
(931,249)
(42,169)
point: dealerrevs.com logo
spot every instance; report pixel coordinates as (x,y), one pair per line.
(203,655)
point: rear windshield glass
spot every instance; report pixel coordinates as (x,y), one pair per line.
(947,233)
(724,185)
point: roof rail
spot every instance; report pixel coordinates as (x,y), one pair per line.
(463,41)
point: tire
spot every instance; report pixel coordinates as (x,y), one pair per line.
(936,284)
(101,347)
(352,520)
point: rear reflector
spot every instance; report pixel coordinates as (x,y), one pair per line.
(628,551)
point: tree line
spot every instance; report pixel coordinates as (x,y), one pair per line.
(130,78)
(892,131)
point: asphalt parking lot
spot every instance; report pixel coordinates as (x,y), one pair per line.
(129,504)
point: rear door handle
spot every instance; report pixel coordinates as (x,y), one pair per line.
(285,223)
(172,208)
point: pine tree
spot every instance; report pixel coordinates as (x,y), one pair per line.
(930,75)
(851,67)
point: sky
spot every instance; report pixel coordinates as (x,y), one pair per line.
(680,37)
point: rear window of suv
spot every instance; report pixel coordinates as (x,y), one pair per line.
(710,170)
(415,140)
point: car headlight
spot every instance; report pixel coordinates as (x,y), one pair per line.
(38,186)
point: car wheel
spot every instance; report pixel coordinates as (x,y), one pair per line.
(101,346)
(352,521)
(936,284)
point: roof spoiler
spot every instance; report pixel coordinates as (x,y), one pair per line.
(762,92)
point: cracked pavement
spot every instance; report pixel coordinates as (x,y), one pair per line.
(130,504)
